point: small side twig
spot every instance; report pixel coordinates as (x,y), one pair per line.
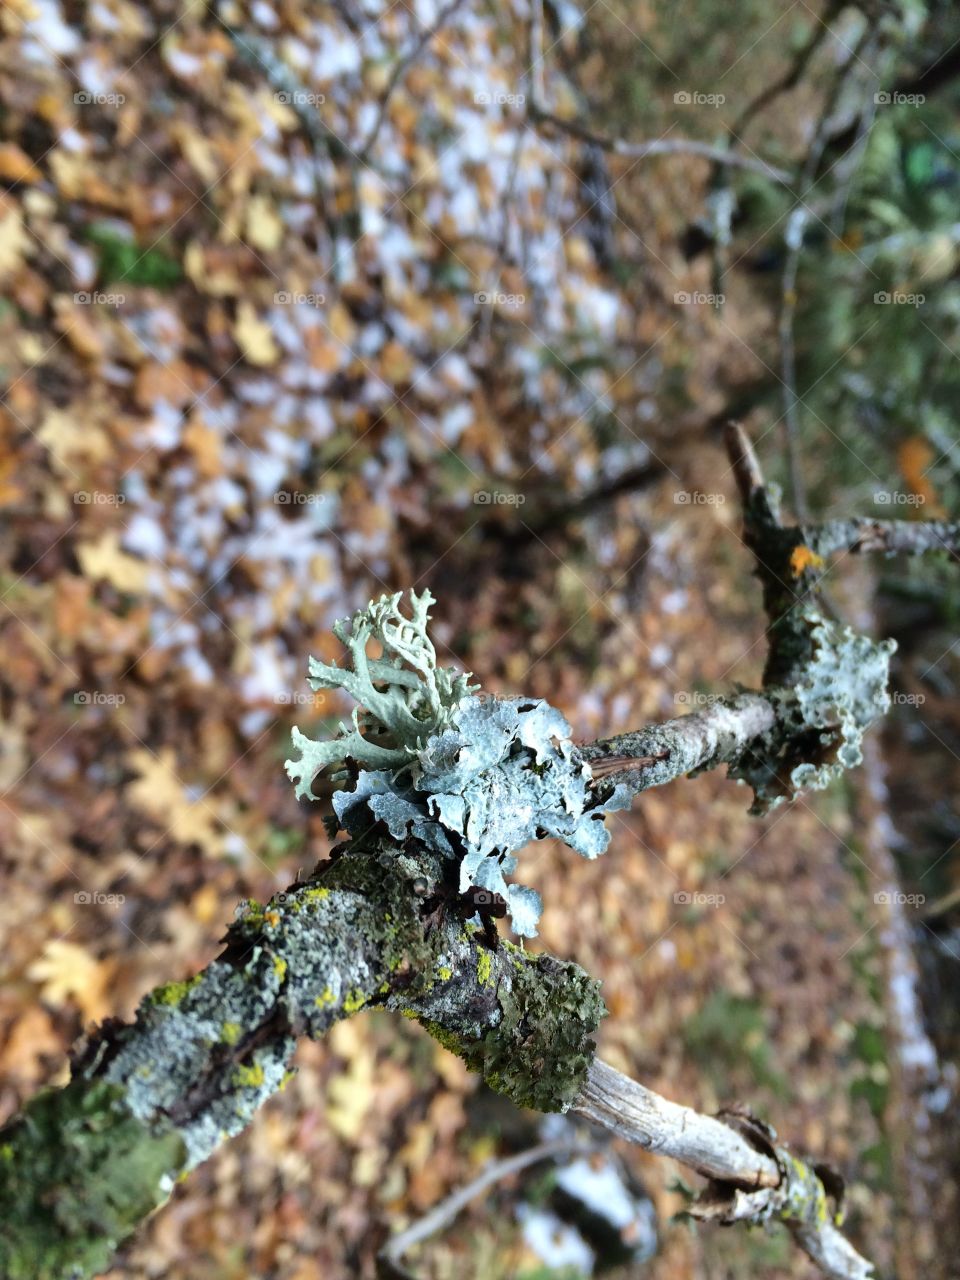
(389,1261)
(658,147)
(401,68)
(750,1177)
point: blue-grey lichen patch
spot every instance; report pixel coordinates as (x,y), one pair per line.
(467,777)
(837,693)
(503,774)
(189,1034)
(291,968)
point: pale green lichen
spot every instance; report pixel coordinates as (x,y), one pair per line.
(79,1171)
(171,993)
(402,698)
(249,1076)
(473,779)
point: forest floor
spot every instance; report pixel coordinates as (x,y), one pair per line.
(249,386)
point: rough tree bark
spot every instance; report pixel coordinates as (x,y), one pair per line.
(380,925)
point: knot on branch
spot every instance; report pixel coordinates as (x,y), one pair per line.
(541,1045)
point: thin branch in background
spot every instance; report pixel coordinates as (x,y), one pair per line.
(401,68)
(659,147)
(389,1262)
(749,1176)
(796,227)
(791,77)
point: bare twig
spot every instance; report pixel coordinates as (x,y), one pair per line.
(389,1265)
(659,147)
(791,77)
(750,1176)
(401,68)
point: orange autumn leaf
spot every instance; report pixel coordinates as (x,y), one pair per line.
(915,456)
(803,558)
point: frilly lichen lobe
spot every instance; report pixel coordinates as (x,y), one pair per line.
(471,778)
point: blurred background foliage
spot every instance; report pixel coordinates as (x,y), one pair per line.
(306,397)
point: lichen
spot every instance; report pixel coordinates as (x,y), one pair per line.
(536,1042)
(171,993)
(472,779)
(402,698)
(837,691)
(79,1171)
(249,1076)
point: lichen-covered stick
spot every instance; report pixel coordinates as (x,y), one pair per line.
(440,789)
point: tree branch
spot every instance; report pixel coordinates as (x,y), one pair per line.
(388,1263)
(750,1178)
(659,147)
(382,923)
